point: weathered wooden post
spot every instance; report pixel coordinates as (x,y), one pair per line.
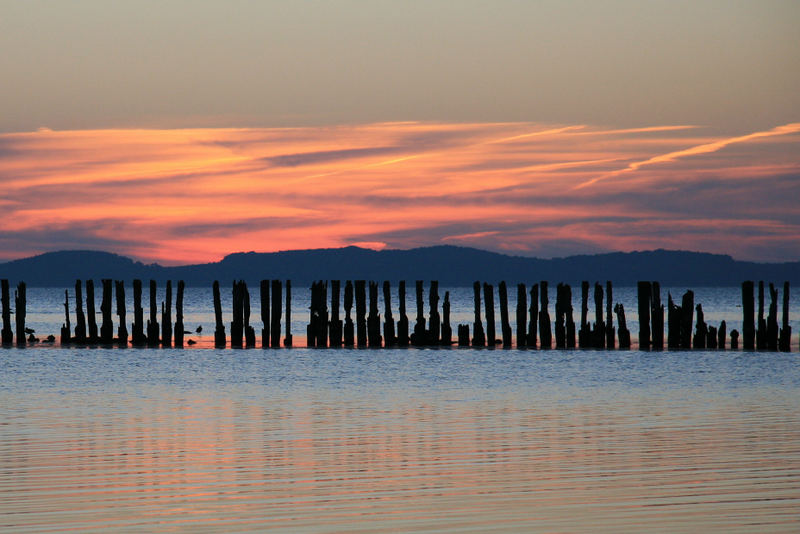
(434,319)
(701,331)
(644,291)
(237,315)
(7,335)
(336,322)
(402,323)
(533,316)
(545,334)
(622,327)
(786,329)
(287,338)
(711,337)
(674,314)
(166,317)
(505,325)
(522,316)
(91,313)
(748,319)
(722,334)
(570,327)
(734,339)
(249,331)
(374,339)
(275,314)
(107,327)
(220,339)
(313,315)
(349,330)
(463,335)
(322,323)
(761,332)
(122,330)
(584,333)
(179,327)
(138,338)
(20,307)
(488,304)
(447,330)
(66,329)
(772,319)
(418,337)
(610,333)
(687,318)
(479,338)
(80,326)
(388,320)
(361,312)
(599,332)
(152,324)
(265,318)
(561,317)
(657,316)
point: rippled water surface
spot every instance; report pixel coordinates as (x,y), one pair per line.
(398,440)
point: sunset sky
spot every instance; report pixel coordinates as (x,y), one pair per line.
(182,131)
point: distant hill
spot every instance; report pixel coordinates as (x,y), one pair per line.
(452,266)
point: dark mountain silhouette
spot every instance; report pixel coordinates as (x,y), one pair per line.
(452,266)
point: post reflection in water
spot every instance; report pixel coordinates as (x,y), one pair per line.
(496,440)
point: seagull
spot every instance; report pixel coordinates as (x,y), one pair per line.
(29,330)
(191,342)
(199,329)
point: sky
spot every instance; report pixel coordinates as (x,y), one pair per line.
(182,131)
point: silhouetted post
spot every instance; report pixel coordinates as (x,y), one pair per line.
(701,331)
(786,330)
(402,324)
(734,339)
(287,338)
(479,338)
(179,327)
(275,314)
(80,326)
(91,312)
(761,332)
(336,323)
(7,335)
(166,317)
(463,335)
(622,327)
(544,318)
(584,333)
(711,337)
(249,331)
(644,291)
(748,319)
(657,316)
(374,318)
(220,339)
(66,329)
(322,325)
(599,333)
(561,329)
(674,314)
(265,318)
(122,330)
(447,330)
(237,315)
(722,334)
(505,326)
(361,312)
(388,320)
(570,321)
(772,319)
(20,307)
(522,316)
(138,338)
(533,316)
(349,334)
(434,319)
(313,313)
(488,304)
(610,332)
(418,338)
(107,327)
(152,324)
(687,318)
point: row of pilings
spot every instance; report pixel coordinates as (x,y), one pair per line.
(686,326)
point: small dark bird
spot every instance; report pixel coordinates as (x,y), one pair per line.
(50,339)
(29,330)
(191,342)
(199,329)
(32,338)
(187,332)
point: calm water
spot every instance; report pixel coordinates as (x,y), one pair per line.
(398,440)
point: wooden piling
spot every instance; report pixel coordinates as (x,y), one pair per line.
(522,316)
(402,324)
(610,332)
(80,326)
(701,330)
(220,339)
(599,332)
(122,330)
(674,314)
(570,322)
(91,313)
(463,335)
(179,326)
(545,335)
(622,327)
(138,339)
(761,331)
(66,329)
(488,304)
(711,337)
(335,327)
(657,316)
(505,325)
(265,318)
(7,335)
(584,333)
(734,339)
(166,317)
(249,331)
(447,330)
(287,338)
(374,339)
(687,319)
(322,323)
(107,326)
(561,317)
(313,316)
(772,319)
(722,334)
(786,329)
(478,336)
(237,315)
(275,314)
(390,339)
(748,319)
(434,332)
(152,324)
(20,307)
(349,329)
(361,312)
(419,336)
(644,292)
(533,317)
